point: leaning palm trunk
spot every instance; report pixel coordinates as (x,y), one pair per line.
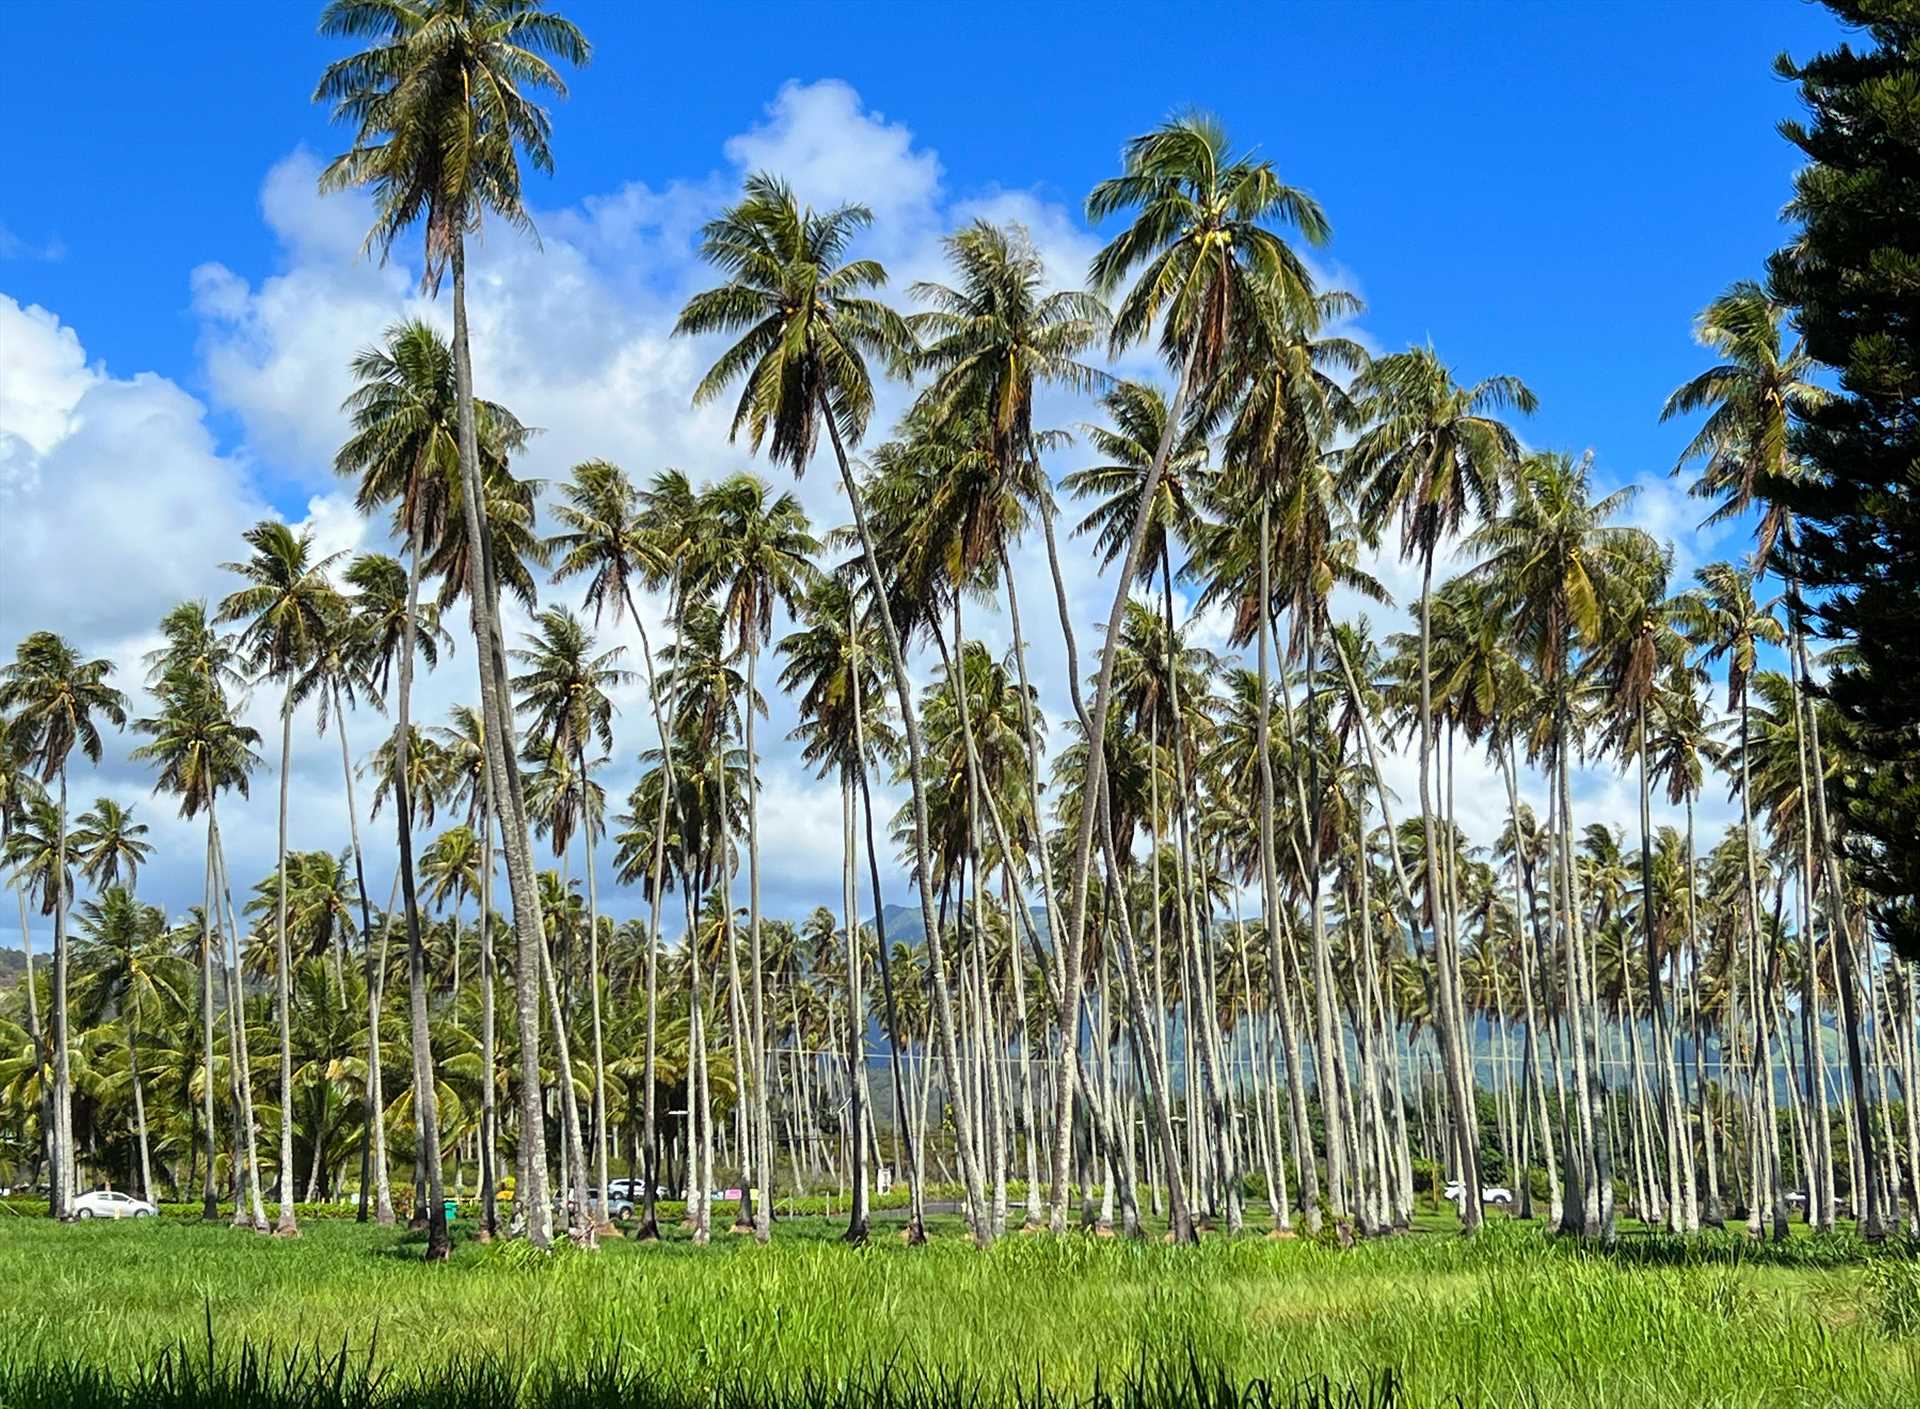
(426,1114)
(1095,785)
(139,1097)
(977,1213)
(503,773)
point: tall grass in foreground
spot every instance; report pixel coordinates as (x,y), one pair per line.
(124,1315)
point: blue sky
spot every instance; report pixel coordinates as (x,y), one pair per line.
(1547,191)
(1542,189)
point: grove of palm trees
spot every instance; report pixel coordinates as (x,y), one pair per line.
(1425,934)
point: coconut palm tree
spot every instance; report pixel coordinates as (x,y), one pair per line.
(1641,643)
(110,849)
(441,116)
(1750,397)
(1552,560)
(1199,241)
(54,701)
(759,556)
(127,972)
(1727,622)
(564,690)
(1433,452)
(200,748)
(832,666)
(289,607)
(806,328)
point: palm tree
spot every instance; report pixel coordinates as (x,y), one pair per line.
(289,607)
(110,849)
(462,747)
(1433,451)
(1725,621)
(1753,396)
(1200,241)
(1287,405)
(1551,561)
(441,116)
(991,340)
(807,329)
(20,797)
(128,970)
(55,700)
(759,556)
(1642,642)
(200,748)
(565,691)
(831,665)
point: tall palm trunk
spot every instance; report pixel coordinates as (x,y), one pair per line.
(916,1230)
(1270,888)
(760,1114)
(1873,1225)
(1449,1020)
(209,1200)
(599,1112)
(1195,932)
(977,1212)
(1069,1050)
(248,1208)
(1095,785)
(650,1129)
(857,1217)
(1673,1126)
(503,773)
(366,916)
(286,1226)
(426,1119)
(489,1133)
(139,1096)
(61,1182)
(376,1079)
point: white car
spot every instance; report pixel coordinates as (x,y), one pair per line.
(111,1203)
(1491,1195)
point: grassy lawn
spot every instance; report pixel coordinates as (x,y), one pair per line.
(1508,1319)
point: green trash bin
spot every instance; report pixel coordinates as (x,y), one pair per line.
(452,1209)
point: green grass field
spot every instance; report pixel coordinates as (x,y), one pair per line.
(88,1315)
